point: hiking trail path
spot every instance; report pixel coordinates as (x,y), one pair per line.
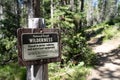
(108,67)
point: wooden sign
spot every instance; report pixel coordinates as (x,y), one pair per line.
(38,46)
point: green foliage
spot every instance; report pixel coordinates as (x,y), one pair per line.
(62,18)
(70,72)
(76,49)
(113,21)
(12,72)
(78,73)
(7,50)
(73,41)
(8,33)
(9,24)
(106,30)
(110,32)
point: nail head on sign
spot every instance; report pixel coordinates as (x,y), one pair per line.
(41,31)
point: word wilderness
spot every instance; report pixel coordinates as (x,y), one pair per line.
(39,46)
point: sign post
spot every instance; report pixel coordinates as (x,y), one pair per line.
(37,46)
(39,71)
(36,72)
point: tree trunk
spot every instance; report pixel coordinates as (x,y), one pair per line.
(1,10)
(89,13)
(72,5)
(102,10)
(52,12)
(82,5)
(18,14)
(112,10)
(81,10)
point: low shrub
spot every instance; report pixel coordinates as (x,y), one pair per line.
(12,72)
(70,72)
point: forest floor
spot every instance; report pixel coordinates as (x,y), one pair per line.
(108,66)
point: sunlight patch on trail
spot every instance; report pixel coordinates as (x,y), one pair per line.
(107,46)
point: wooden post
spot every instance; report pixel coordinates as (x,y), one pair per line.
(36,72)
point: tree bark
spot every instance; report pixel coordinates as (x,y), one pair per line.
(81,10)
(89,13)
(18,14)
(102,10)
(36,8)
(82,5)
(52,12)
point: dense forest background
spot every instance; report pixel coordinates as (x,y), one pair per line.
(78,20)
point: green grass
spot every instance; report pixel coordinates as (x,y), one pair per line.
(104,30)
(111,32)
(70,72)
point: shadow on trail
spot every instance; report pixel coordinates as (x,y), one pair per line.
(108,65)
(108,57)
(93,33)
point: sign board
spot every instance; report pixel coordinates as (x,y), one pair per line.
(39,46)
(36,46)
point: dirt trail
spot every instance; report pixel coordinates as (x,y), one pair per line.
(108,67)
